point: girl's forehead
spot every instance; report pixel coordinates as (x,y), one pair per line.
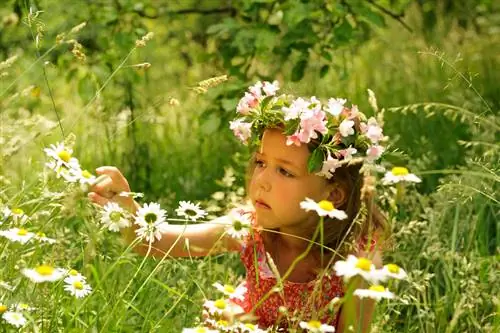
(273,145)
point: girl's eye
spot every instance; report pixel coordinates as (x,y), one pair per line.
(259,163)
(285,173)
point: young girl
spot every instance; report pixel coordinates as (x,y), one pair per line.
(304,152)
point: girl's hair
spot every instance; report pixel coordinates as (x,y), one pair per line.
(364,223)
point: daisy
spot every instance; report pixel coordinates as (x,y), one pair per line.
(78,288)
(376,292)
(22,307)
(391,271)
(6,286)
(190,211)
(40,236)
(316,326)
(18,215)
(323,208)
(239,226)
(61,155)
(356,266)
(14,318)
(221,325)
(399,174)
(74,275)
(199,329)
(68,172)
(3,308)
(44,273)
(231,291)
(151,221)
(114,217)
(17,235)
(250,328)
(216,307)
(84,176)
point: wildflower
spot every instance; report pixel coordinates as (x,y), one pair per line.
(61,155)
(247,103)
(391,271)
(241,129)
(77,288)
(151,221)
(347,153)
(323,208)
(217,307)
(18,215)
(335,106)
(6,286)
(17,235)
(316,326)
(356,266)
(231,291)
(374,152)
(296,108)
(239,226)
(376,292)
(250,328)
(190,211)
(346,128)
(399,174)
(3,308)
(199,329)
(372,130)
(270,89)
(221,325)
(69,172)
(22,307)
(74,275)
(14,318)
(114,217)
(312,122)
(40,236)
(84,177)
(44,273)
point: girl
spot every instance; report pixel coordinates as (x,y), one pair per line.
(305,152)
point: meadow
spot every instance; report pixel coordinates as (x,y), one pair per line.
(144,104)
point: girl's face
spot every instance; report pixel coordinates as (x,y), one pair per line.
(280,181)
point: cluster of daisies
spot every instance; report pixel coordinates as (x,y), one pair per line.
(66,166)
(18,220)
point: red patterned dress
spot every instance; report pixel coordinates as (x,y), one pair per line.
(303,301)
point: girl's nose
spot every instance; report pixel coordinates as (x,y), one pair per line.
(263,181)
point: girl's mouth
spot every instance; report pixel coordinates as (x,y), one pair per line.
(261,204)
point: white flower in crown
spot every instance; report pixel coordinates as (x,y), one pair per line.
(44,273)
(231,291)
(270,89)
(247,103)
(356,266)
(323,208)
(347,153)
(296,108)
(346,127)
(376,292)
(399,174)
(14,318)
(329,167)
(151,220)
(316,326)
(242,130)
(372,130)
(335,106)
(190,211)
(19,235)
(374,152)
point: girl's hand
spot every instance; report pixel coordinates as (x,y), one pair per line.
(109,189)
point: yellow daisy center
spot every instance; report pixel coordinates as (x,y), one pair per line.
(86,174)
(400,171)
(150,217)
(78,285)
(326,205)
(229,288)
(116,216)
(220,304)
(250,326)
(200,330)
(237,225)
(377,288)
(64,155)
(73,272)
(314,324)
(17,211)
(3,308)
(223,323)
(44,270)
(40,234)
(22,232)
(393,268)
(364,264)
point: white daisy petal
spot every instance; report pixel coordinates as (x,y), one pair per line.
(375,292)
(44,273)
(14,318)
(114,218)
(316,326)
(190,211)
(323,208)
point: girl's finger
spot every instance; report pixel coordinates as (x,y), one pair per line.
(113,173)
(98,199)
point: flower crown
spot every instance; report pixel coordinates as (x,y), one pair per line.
(340,134)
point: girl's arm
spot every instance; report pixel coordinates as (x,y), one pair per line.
(364,307)
(203,239)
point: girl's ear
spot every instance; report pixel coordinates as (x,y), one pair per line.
(338,194)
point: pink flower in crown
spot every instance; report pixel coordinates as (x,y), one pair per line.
(241,129)
(354,112)
(270,89)
(256,89)
(295,109)
(335,106)
(374,152)
(372,130)
(246,103)
(347,153)
(329,167)
(315,122)
(293,139)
